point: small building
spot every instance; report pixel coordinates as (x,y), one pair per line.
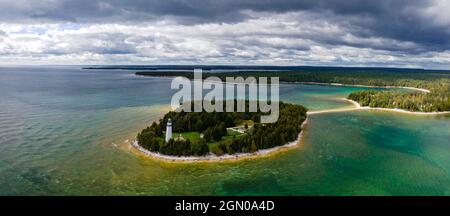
(169,130)
(179,138)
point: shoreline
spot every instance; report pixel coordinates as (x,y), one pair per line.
(365,86)
(396,109)
(359,107)
(224,158)
(267,152)
(329,84)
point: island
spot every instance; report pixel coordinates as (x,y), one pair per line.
(197,134)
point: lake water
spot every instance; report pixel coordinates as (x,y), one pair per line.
(63,131)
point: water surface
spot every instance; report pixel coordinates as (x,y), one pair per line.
(63,131)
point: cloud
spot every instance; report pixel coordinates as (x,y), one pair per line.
(351,32)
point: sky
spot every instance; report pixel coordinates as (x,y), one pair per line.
(384,33)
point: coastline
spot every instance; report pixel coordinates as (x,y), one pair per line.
(329,84)
(395,109)
(359,107)
(224,158)
(267,152)
(365,86)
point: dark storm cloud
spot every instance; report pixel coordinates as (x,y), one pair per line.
(200,10)
(396,19)
(283,28)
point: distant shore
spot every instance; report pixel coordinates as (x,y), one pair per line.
(365,86)
(214,158)
(315,83)
(358,106)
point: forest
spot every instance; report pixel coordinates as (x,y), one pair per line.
(416,102)
(437,82)
(213,126)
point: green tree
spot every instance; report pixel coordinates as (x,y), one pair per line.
(208,134)
(253,147)
(200,148)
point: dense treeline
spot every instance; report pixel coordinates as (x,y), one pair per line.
(151,139)
(263,136)
(422,79)
(417,102)
(213,126)
(438,82)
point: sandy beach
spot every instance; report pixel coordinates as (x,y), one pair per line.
(365,86)
(357,106)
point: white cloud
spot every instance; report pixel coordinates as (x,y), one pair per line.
(437,12)
(296,38)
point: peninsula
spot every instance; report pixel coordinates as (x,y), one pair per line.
(424,91)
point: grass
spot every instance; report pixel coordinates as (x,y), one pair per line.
(193,135)
(213,145)
(225,139)
(230,133)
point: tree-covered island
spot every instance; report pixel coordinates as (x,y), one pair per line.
(201,133)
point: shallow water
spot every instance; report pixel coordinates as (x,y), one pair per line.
(63,131)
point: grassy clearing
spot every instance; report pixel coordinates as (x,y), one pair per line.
(192,136)
(213,145)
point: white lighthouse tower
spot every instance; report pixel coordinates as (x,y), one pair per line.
(169,130)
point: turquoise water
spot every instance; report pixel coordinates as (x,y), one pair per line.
(318,97)
(63,131)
